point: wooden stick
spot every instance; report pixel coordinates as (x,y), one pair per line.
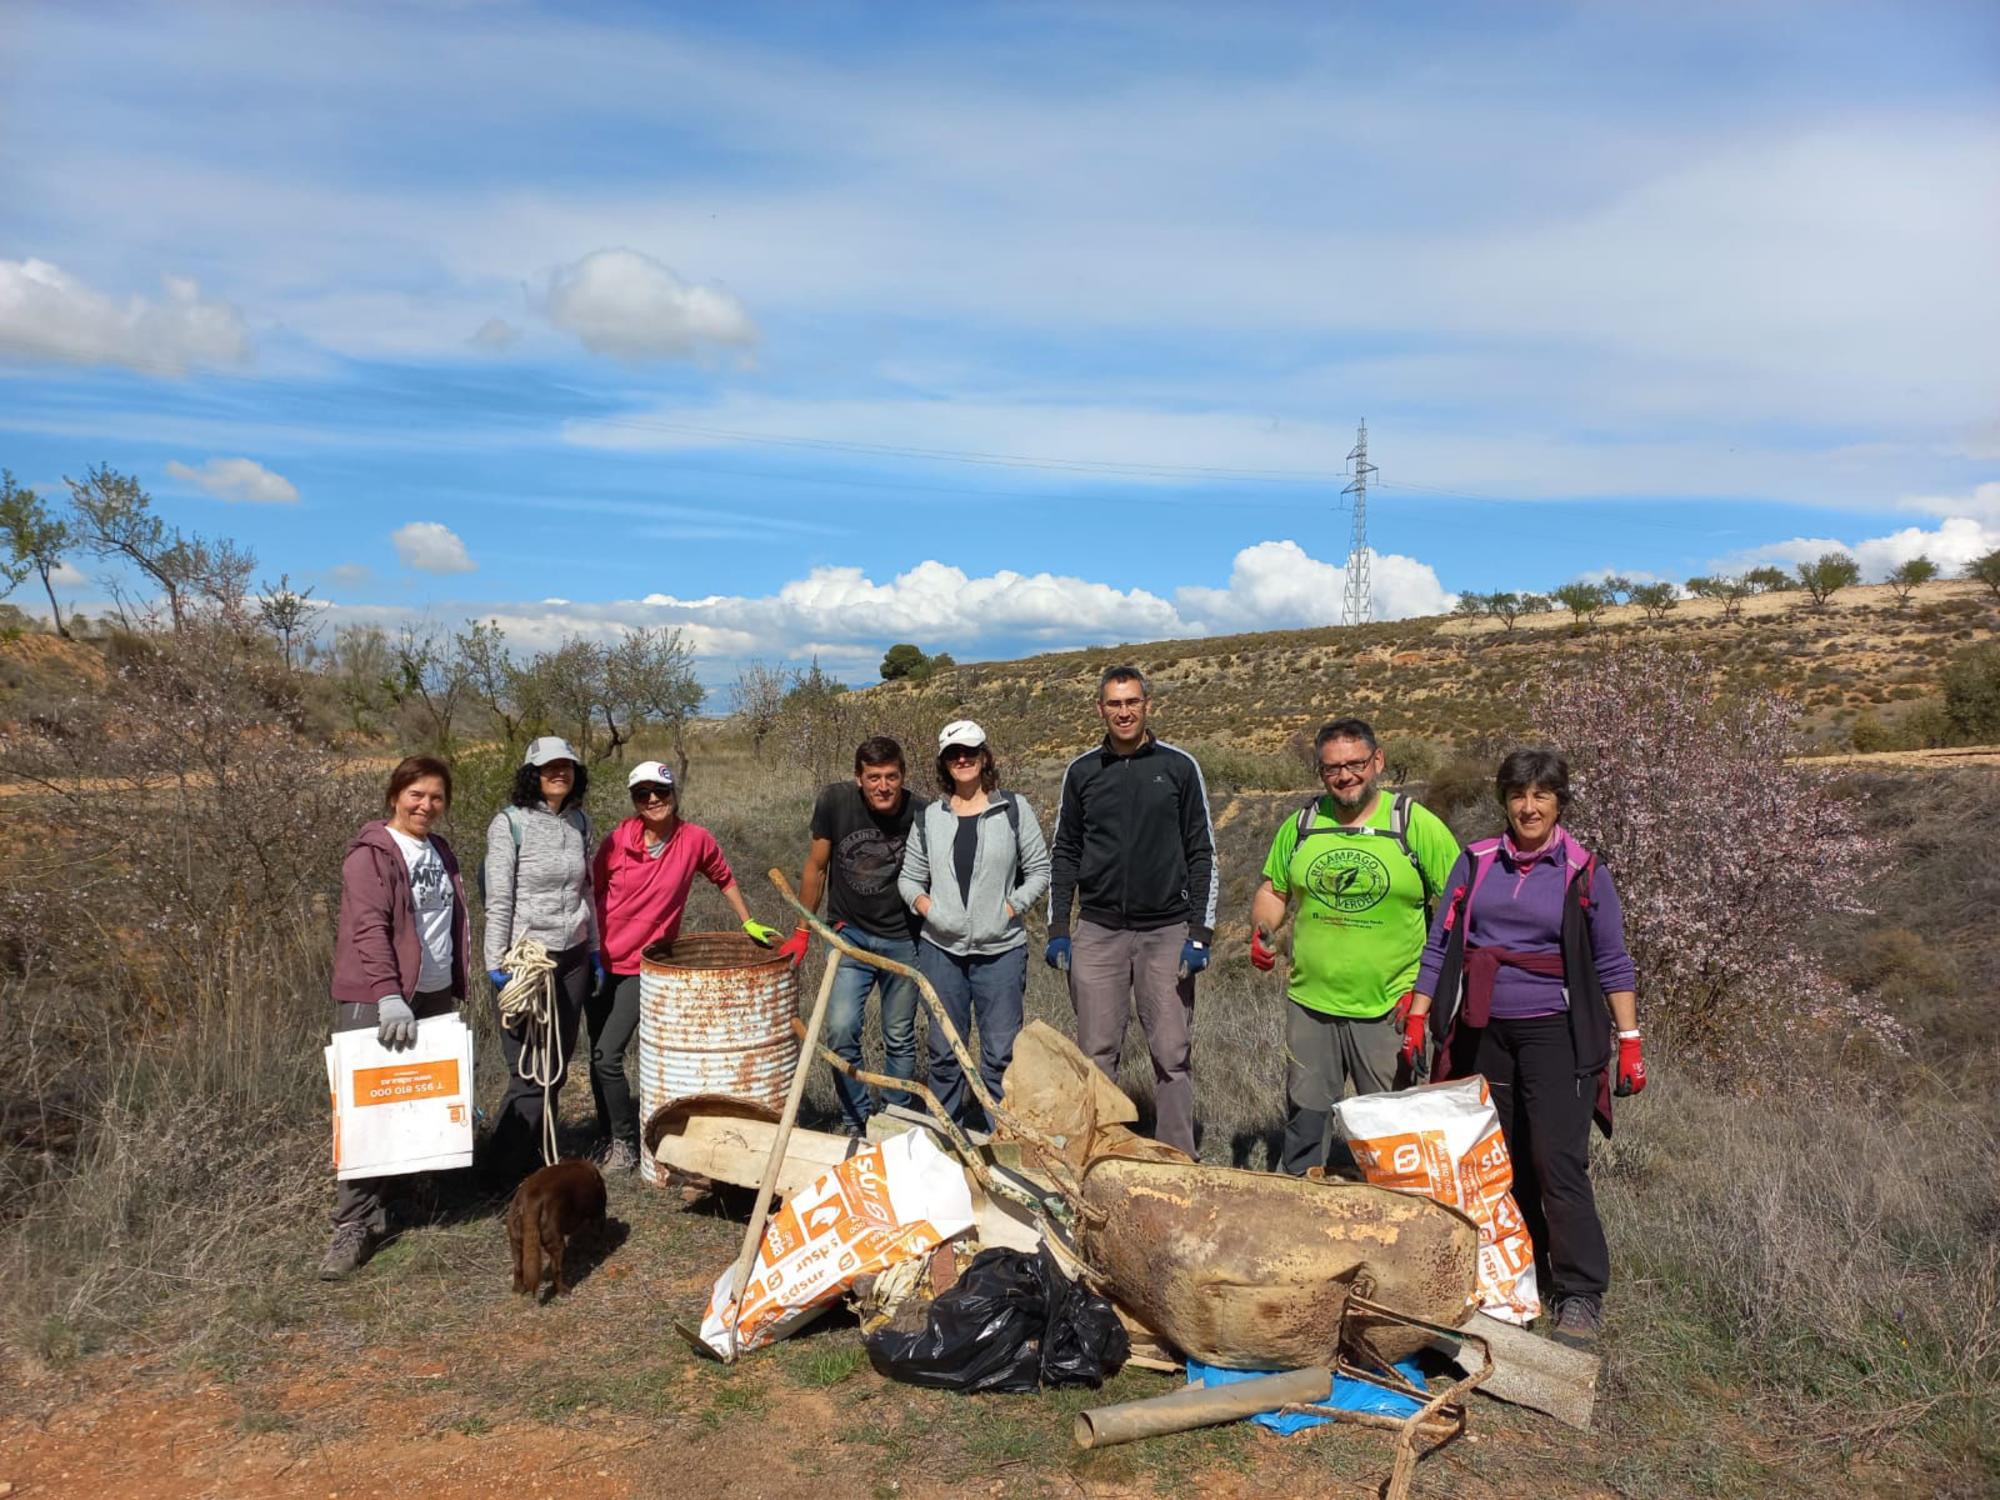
(740,1274)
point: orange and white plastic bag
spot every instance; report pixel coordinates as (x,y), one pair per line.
(1443,1140)
(890,1202)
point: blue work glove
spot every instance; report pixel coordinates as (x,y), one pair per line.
(597,966)
(499,978)
(1194,957)
(396,1023)
(1056,955)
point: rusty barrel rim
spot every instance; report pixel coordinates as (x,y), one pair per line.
(709,951)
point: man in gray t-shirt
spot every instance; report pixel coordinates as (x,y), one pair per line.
(858,831)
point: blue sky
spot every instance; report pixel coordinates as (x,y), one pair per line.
(998,328)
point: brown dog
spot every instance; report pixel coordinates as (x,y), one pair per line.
(553,1204)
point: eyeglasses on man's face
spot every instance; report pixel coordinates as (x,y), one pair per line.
(1331,768)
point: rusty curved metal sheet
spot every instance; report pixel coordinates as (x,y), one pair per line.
(1252,1270)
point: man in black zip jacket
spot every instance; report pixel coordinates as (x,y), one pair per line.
(1134,844)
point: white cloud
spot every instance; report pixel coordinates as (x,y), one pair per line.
(350,575)
(495,336)
(68,575)
(237,479)
(1982,504)
(1276,585)
(1956,541)
(430,547)
(847,618)
(628,305)
(47,314)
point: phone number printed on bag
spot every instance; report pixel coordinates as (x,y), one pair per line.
(403,1082)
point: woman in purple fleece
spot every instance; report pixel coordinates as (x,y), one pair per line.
(1527,964)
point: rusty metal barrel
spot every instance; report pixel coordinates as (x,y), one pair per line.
(715,1017)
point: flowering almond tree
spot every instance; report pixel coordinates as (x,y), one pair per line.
(1724,853)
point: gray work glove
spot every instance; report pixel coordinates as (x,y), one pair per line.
(397,1022)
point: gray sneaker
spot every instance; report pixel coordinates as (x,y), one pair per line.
(350,1247)
(1579,1320)
(619,1156)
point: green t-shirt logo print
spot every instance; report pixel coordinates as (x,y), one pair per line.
(1349,879)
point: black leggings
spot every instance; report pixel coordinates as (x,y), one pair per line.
(1545,1112)
(613,1009)
(517,1132)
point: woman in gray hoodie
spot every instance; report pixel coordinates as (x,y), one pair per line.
(974,862)
(537,880)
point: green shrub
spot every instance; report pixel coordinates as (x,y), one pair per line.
(1972,693)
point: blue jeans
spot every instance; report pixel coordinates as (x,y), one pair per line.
(847,1008)
(990,988)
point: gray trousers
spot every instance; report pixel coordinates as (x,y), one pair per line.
(1110,969)
(364,1200)
(1323,1054)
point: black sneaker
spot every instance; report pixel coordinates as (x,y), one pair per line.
(1579,1320)
(854,1131)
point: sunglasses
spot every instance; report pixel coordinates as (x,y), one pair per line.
(962,752)
(641,795)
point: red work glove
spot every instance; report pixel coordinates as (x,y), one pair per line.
(794,947)
(1262,956)
(1414,1027)
(1631,1074)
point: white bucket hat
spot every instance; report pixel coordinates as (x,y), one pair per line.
(960,732)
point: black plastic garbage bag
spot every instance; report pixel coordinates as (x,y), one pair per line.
(1012,1322)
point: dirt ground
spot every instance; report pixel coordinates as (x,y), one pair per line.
(424,1373)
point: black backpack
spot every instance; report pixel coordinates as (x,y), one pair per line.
(1398,829)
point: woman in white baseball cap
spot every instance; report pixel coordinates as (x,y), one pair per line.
(537,882)
(974,862)
(642,876)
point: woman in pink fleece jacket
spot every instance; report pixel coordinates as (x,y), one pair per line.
(641,876)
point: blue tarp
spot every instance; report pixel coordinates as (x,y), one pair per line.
(1349,1395)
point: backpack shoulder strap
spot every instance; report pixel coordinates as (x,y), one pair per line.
(1399,829)
(1013,807)
(514,825)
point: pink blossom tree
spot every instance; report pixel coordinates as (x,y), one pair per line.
(1724,852)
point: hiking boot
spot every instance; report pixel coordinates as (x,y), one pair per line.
(350,1247)
(619,1156)
(1579,1320)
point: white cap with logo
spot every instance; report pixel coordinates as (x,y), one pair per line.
(550,747)
(961,732)
(650,773)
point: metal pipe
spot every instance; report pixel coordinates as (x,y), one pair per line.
(1200,1406)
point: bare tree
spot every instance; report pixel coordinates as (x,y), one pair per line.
(115,519)
(36,543)
(426,671)
(490,673)
(1728,590)
(287,613)
(759,696)
(650,674)
(361,668)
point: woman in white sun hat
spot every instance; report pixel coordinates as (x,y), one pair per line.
(537,883)
(973,864)
(642,876)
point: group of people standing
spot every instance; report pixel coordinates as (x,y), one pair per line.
(1408,955)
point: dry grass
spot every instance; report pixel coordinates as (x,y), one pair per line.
(1804,1266)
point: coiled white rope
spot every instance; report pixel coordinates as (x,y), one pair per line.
(528,1004)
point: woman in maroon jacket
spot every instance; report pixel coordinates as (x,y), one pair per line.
(399,956)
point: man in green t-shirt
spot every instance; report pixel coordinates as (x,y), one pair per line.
(1366,870)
